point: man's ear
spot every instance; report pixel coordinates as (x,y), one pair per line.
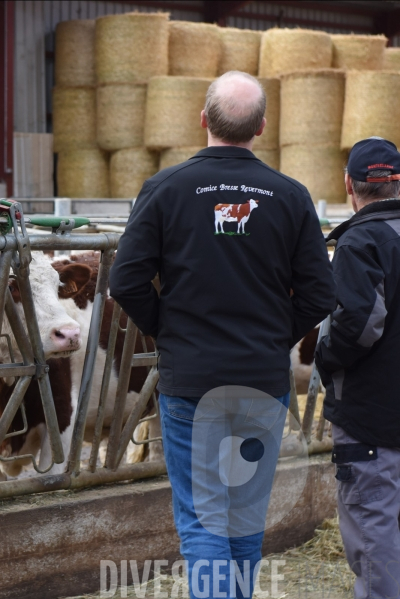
(203,119)
(261,129)
(348,183)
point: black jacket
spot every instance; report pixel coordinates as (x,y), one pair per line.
(225,315)
(359,361)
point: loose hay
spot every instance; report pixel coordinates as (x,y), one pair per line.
(173,112)
(132,47)
(83,174)
(318,167)
(371,106)
(359,52)
(269,140)
(284,50)
(129,169)
(194,49)
(74,53)
(121,110)
(240,49)
(391,59)
(173,156)
(270,157)
(74,118)
(312,107)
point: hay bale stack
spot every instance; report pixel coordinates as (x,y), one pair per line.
(129,168)
(173,156)
(270,157)
(173,112)
(391,59)
(240,49)
(74,53)
(121,110)
(312,107)
(83,174)
(131,48)
(371,106)
(194,49)
(318,167)
(269,140)
(359,52)
(74,118)
(284,50)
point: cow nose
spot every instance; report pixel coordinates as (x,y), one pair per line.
(66,338)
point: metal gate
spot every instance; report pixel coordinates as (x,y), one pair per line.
(15,251)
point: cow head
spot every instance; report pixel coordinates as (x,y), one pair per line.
(253,204)
(60,334)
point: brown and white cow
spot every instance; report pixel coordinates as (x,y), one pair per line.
(76,295)
(302,358)
(61,337)
(238,213)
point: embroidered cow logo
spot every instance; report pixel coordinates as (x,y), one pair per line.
(238,213)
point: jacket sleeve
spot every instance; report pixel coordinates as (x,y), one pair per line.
(137,263)
(359,319)
(312,279)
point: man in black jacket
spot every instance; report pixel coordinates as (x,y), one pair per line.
(230,238)
(359,366)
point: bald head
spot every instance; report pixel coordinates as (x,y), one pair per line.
(235,107)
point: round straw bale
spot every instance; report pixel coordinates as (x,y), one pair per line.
(121,109)
(74,53)
(391,59)
(173,112)
(285,50)
(240,49)
(83,174)
(173,156)
(129,169)
(270,157)
(318,167)
(131,47)
(371,106)
(74,118)
(269,139)
(359,52)
(312,107)
(194,49)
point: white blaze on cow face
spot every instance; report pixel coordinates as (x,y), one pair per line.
(60,334)
(239,213)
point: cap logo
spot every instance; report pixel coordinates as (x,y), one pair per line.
(380,166)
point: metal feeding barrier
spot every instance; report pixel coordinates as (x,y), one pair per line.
(16,247)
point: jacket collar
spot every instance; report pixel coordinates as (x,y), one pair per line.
(380,210)
(225,152)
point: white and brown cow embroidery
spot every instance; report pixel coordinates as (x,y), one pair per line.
(238,213)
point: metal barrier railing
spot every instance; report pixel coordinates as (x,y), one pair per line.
(15,251)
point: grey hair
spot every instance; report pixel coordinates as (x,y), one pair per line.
(376,191)
(229,121)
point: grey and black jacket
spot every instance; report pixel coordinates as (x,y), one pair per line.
(359,361)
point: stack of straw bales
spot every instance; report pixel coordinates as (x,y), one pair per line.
(82,168)
(310,129)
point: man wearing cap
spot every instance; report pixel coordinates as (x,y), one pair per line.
(359,363)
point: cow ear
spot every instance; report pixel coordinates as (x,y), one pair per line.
(74,277)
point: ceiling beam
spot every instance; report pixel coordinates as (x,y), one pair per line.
(282,20)
(365,9)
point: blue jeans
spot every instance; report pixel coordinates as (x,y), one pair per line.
(211,557)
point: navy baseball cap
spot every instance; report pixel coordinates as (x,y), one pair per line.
(374,153)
